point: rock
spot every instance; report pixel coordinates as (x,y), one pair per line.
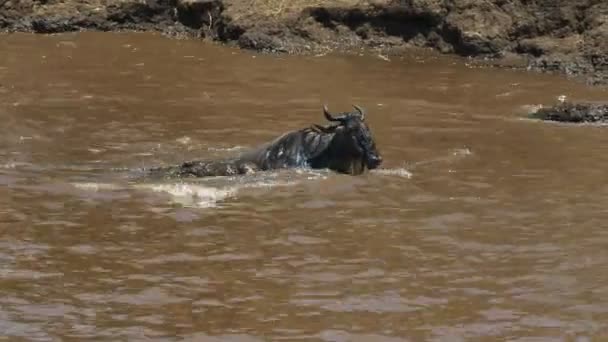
(144,13)
(261,41)
(479,30)
(548,45)
(574,113)
(52,25)
(434,8)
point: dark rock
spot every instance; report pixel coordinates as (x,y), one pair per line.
(142,13)
(574,113)
(53,25)
(261,41)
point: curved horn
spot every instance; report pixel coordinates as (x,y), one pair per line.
(328,115)
(360,110)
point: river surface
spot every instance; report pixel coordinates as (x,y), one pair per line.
(480,224)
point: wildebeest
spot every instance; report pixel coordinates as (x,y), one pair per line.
(345,146)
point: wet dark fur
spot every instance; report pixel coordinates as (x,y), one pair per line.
(345,147)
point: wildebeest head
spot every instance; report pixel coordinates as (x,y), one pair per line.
(353,140)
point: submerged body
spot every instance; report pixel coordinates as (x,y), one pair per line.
(346,147)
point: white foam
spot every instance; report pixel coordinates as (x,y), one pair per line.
(400,172)
(184,140)
(529,109)
(462,152)
(208,192)
(455,154)
(13,165)
(191,194)
(312,173)
(8,166)
(208,195)
(222,149)
(96,186)
(263,184)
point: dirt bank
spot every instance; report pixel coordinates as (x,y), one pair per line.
(570,37)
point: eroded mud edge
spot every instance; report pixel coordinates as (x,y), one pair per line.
(567,37)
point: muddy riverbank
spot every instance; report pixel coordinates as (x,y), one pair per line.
(568,37)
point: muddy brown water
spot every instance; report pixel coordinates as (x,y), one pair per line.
(480,225)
